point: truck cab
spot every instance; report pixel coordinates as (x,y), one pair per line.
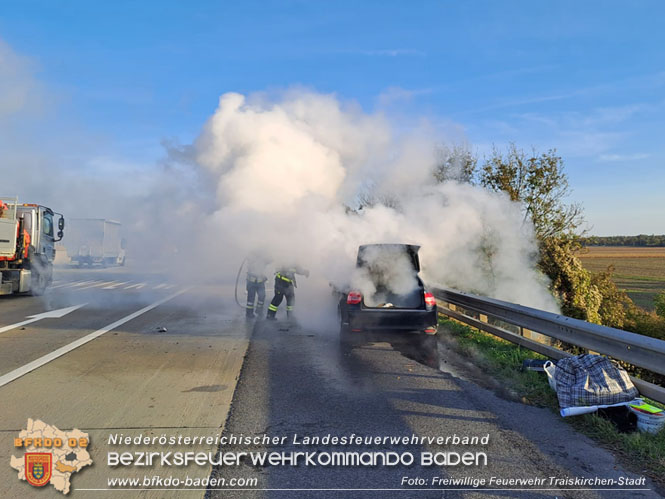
(27,246)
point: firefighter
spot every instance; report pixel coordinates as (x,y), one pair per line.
(285,284)
(256,284)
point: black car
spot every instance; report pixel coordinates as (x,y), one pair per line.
(387,294)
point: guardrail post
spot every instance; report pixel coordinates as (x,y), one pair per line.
(532,335)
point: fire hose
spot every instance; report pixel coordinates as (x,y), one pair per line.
(237,280)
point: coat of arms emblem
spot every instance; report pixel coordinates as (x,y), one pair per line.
(38,468)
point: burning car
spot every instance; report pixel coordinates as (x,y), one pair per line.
(386,293)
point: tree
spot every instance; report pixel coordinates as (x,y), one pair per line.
(613,304)
(369,197)
(455,163)
(540,184)
(571,283)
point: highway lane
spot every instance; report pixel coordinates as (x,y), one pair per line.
(100,305)
(171,370)
(300,382)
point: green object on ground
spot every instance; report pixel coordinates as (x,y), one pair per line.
(647,408)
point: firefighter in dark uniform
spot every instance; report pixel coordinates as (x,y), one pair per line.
(285,284)
(256,284)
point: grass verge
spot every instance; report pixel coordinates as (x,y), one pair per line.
(641,452)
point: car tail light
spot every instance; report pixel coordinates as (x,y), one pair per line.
(430,301)
(354,298)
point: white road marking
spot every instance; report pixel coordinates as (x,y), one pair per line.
(169,286)
(113,286)
(159,286)
(81,284)
(69,283)
(17,373)
(138,286)
(97,283)
(51,314)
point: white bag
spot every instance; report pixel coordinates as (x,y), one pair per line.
(550,367)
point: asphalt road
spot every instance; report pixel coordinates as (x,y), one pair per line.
(300,382)
(135,379)
(142,356)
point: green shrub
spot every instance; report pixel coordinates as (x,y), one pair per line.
(659,303)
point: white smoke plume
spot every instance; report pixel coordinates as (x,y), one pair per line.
(385,271)
(285,175)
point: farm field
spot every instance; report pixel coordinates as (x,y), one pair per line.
(640,271)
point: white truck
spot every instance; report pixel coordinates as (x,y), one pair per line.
(27,246)
(95,241)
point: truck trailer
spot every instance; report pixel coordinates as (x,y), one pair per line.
(95,241)
(27,246)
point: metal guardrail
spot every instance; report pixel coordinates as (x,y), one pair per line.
(635,349)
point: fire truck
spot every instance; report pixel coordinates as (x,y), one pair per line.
(27,246)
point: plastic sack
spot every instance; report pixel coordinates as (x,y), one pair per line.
(550,368)
(588,380)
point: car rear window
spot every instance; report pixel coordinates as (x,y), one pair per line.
(388,278)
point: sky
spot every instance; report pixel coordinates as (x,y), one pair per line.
(103,86)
